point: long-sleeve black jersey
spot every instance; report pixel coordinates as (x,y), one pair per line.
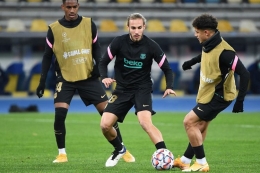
(133,62)
(226,60)
(48,53)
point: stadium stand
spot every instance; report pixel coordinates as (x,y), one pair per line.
(39,25)
(123,1)
(176,44)
(254,1)
(55,0)
(16,77)
(146,1)
(247,26)
(234,1)
(34,0)
(108,25)
(3,81)
(193,85)
(15,25)
(119,11)
(33,79)
(212,1)
(254,69)
(160,84)
(125,27)
(101,1)
(189,1)
(168,1)
(225,26)
(178,25)
(155,25)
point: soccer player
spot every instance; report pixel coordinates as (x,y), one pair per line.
(134,54)
(73,39)
(217,89)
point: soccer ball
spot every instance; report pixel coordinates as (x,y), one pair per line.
(162,159)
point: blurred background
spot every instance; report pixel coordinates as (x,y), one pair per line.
(24,24)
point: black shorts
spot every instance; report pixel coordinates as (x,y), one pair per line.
(122,101)
(209,111)
(90,91)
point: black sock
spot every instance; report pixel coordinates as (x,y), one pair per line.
(116,128)
(189,153)
(118,131)
(117,144)
(59,126)
(160,145)
(199,152)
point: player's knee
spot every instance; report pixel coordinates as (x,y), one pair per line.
(60,116)
(145,125)
(105,127)
(187,123)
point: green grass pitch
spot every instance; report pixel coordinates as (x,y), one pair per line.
(27,143)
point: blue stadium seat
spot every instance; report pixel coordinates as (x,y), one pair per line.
(33,79)
(212,1)
(193,85)
(16,77)
(190,1)
(254,85)
(160,83)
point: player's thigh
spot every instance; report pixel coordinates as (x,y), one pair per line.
(209,111)
(64,92)
(119,104)
(143,100)
(91,92)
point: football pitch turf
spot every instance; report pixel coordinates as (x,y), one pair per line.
(27,143)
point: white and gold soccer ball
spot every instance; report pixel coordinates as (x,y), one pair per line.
(162,159)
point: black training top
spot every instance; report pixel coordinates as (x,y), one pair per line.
(133,62)
(48,53)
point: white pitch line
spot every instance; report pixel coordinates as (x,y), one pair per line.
(85,122)
(125,122)
(248,126)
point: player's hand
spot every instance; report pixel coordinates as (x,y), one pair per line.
(238,107)
(187,65)
(168,92)
(40,89)
(108,81)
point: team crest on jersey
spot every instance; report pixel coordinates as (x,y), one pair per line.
(65,39)
(143,56)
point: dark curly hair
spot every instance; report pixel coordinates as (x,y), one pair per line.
(205,21)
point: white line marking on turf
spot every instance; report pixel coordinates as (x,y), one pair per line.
(125,122)
(84,122)
(248,126)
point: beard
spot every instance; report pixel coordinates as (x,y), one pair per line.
(135,39)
